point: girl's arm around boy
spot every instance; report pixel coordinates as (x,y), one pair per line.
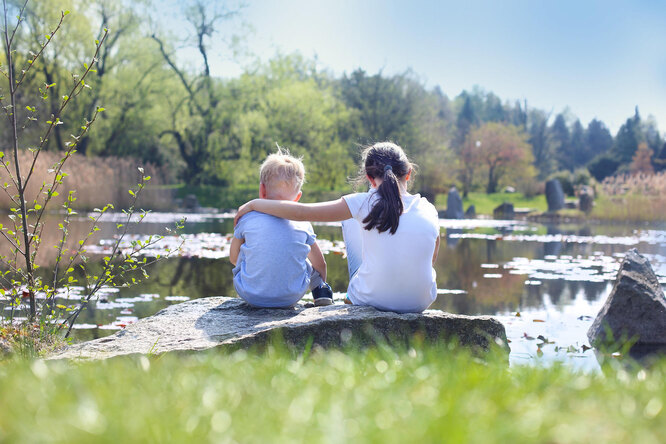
(335,210)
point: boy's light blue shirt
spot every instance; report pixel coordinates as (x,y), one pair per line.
(272,268)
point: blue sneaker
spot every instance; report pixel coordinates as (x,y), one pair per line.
(323,295)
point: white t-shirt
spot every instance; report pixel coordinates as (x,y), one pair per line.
(396,273)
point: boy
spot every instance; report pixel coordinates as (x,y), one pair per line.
(276,260)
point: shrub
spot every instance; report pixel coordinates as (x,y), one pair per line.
(603,166)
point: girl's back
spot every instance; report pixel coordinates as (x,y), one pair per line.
(396,271)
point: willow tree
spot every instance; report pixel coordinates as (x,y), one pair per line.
(194,111)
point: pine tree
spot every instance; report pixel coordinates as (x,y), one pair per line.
(627,139)
(598,139)
(467,119)
(577,146)
(562,138)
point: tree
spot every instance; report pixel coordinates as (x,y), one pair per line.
(578,149)
(660,159)
(194,115)
(468,164)
(466,120)
(386,105)
(400,109)
(493,109)
(598,139)
(562,140)
(627,139)
(57,61)
(642,160)
(603,166)
(652,136)
(502,150)
(519,115)
(540,138)
(284,102)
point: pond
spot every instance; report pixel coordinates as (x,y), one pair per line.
(544,283)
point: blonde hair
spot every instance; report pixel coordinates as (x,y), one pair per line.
(282,167)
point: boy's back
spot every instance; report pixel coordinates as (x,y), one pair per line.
(272,268)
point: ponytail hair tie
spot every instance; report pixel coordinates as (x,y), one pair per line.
(388,168)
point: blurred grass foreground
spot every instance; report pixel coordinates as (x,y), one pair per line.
(420,394)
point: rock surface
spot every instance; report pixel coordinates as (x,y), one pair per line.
(471,212)
(635,308)
(554,195)
(454,205)
(504,211)
(229,322)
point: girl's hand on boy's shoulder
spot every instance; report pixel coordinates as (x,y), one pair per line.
(243,210)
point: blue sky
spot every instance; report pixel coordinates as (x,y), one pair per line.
(599,58)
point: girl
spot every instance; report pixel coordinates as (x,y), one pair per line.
(391,236)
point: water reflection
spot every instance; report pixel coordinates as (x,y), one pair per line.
(556,274)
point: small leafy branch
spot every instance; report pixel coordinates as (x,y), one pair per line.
(128,267)
(19,275)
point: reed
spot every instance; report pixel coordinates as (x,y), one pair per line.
(96,180)
(642,183)
(639,197)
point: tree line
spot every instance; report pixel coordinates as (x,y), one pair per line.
(211,130)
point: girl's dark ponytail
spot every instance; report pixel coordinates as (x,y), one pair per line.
(388,161)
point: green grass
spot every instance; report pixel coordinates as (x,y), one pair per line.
(431,394)
(486,203)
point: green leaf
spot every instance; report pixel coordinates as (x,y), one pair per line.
(131,192)
(38,207)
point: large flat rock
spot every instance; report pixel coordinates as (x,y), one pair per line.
(211,322)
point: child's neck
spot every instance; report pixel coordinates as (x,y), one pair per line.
(402,185)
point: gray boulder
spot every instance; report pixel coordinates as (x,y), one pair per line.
(454,205)
(504,211)
(471,212)
(231,323)
(586,199)
(554,195)
(635,308)
(190,202)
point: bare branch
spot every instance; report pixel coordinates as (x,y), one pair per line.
(41,50)
(18,21)
(178,72)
